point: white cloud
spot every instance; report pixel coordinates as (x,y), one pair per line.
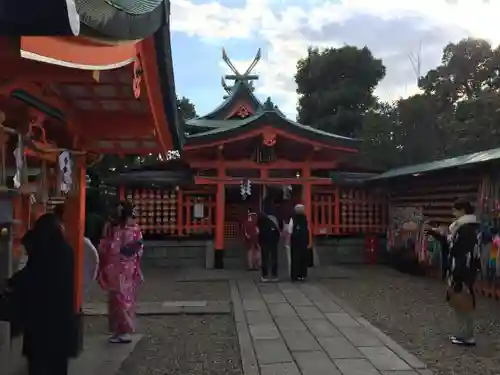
(392,29)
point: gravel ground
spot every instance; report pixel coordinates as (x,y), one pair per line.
(160,285)
(181,345)
(412,311)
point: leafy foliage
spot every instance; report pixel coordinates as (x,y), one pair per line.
(457,111)
(335,88)
(185,109)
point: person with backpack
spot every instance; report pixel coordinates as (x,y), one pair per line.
(269,234)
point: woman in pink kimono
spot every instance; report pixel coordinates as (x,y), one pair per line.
(120,273)
(250,232)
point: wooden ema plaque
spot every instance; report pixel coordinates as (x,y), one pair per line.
(156,210)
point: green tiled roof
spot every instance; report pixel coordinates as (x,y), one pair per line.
(221,126)
(350,178)
(459,161)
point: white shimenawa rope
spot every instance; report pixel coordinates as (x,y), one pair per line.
(18,156)
(65,166)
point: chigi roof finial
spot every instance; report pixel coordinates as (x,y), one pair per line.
(246,77)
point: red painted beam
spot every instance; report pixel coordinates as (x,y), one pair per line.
(111,125)
(147,54)
(77,52)
(121,151)
(268,181)
(33,89)
(117,150)
(268,129)
(32,71)
(278,164)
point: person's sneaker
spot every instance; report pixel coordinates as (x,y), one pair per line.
(274,279)
(463,342)
(264,279)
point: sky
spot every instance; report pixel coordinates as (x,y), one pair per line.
(397,31)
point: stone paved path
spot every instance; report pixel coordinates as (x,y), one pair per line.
(302,329)
(101,358)
(97,358)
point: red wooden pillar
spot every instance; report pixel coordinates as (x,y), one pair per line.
(74,223)
(219,218)
(307,197)
(180,207)
(336,214)
(121,192)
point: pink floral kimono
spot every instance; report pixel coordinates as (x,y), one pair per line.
(120,275)
(251,233)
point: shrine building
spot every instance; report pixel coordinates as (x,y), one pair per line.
(240,153)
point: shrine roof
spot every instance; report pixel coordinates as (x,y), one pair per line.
(164,173)
(242,112)
(111,98)
(416,170)
(224,129)
(350,178)
(241,91)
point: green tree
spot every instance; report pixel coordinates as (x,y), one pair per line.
(475,125)
(335,88)
(457,113)
(185,109)
(419,133)
(466,88)
(465,71)
(379,149)
(406,132)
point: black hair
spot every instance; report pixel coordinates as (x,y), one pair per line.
(463,205)
(48,228)
(59,211)
(127,211)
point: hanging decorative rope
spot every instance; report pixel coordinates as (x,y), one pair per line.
(173,154)
(137,79)
(19,158)
(245,189)
(287,191)
(65,168)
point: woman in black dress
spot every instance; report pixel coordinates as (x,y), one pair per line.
(298,230)
(46,290)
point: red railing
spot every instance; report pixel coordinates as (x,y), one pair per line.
(347,211)
(334,211)
(173,212)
